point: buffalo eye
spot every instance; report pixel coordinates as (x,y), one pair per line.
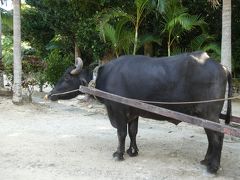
(67,77)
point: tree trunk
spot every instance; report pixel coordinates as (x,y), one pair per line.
(226,47)
(148,49)
(1,63)
(169,49)
(169,44)
(135,40)
(17,66)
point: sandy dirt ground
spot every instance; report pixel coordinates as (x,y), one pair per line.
(72,140)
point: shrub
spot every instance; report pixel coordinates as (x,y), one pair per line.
(56,63)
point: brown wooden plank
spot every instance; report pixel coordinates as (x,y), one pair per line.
(234,119)
(164,112)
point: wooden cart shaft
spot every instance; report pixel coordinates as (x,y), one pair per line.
(226,129)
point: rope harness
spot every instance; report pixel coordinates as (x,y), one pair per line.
(91,85)
(67,92)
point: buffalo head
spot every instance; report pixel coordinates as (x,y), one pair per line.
(72,78)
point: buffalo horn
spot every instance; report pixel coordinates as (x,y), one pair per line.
(78,65)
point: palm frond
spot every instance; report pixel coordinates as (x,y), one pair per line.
(141,6)
(173,10)
(110,34)
(119,13)
(178,50)
(213,50)
(188,22)
(161,5)
(126,41)
(206,43)
(198,42)
(120,27)
(149,38)
(215,3)
(213,47)
(7,18)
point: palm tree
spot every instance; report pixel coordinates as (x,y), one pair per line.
(120,38)
(206,43)
(226,48)
(5,20)
(1,63)
(141,13)
(176,21)
(17,86)
(112,33)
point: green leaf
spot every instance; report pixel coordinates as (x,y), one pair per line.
(110,34)
(214,47)
(199,41)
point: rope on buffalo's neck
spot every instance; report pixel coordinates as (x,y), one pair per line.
(91,84)
(67,92)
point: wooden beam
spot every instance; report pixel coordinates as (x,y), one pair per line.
(234,119)
(163,112)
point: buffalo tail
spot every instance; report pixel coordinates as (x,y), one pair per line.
(229,103)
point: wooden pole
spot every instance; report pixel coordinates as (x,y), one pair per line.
(163,112)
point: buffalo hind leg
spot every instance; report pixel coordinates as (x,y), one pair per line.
(213,155)
(132,131)
(209,150)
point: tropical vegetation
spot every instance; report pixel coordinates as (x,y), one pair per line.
(56,31)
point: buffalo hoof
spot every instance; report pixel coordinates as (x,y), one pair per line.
(204,162)
(212,168)
(132,152)
(118,156)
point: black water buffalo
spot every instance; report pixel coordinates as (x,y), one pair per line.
(186,77)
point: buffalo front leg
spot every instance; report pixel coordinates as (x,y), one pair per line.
(122,133)
(132,131)
(213,155)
